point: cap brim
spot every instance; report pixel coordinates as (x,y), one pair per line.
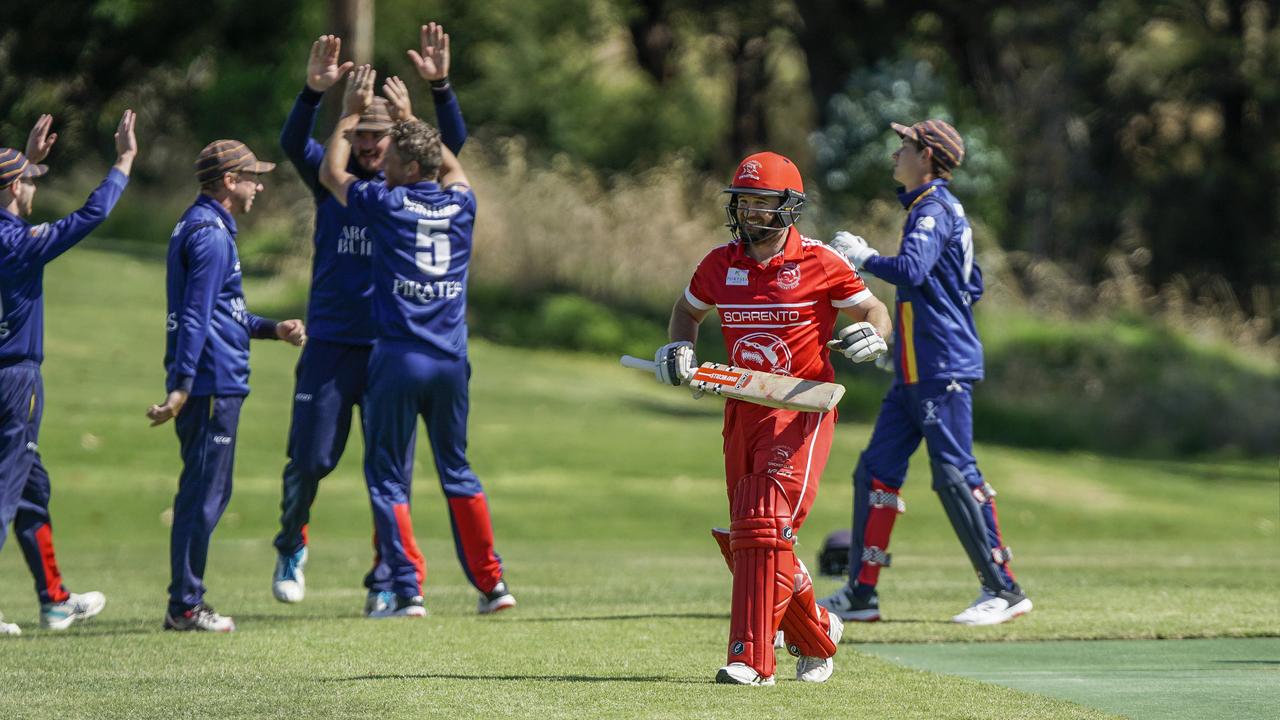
(258,167)
(380,127)
(905,131)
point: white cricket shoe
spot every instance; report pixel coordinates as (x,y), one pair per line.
(402,607)
(993,608)
(77,606)
(378,601)
(201,618)
(741,674)
(9,629)
(497,599)
(288,584)
(817,669)
(844,604)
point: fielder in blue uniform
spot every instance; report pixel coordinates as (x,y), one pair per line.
(24,252)
(421,221)
(206,361)
(937,360)
(331,373)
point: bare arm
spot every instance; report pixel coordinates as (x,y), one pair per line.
(685,319)
(871,311)
(333,171)
(451,172)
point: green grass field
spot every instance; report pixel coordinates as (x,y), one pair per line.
(603,486)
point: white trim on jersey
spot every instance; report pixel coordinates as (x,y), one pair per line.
(695,302)
(768,305)
(753,325)
(850,302)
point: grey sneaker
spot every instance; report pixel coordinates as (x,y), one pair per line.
(848,606)
(77,606)
(201,618)
(496,600)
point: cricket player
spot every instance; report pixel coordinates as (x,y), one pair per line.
(778,295)
(421,221)
(937,360)
(206,365)
(332,370)
(24,251)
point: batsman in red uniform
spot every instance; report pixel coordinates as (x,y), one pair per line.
(778,295)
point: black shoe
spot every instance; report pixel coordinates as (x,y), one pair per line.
(497,599)
(858,604)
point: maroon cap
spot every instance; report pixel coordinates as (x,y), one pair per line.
(227,156)
(937,135)
(14,166)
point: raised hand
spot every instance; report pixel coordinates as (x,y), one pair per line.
(126,141)
(359,94)
(40,141)
(399,107)
(433,61)
(323,69)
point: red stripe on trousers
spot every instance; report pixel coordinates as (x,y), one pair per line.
(49,564)
(404,523)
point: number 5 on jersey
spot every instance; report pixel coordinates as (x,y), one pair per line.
(432,255)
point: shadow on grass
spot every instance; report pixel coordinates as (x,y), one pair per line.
(638,616)
(1248,662)
(522,678)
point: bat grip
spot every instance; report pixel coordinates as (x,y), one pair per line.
(638,363)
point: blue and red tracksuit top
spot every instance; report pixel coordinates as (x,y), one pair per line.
(208,326)
(340,307)
(24,251)
(938,281)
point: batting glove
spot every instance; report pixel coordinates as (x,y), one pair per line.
(853,247)
(674,363)
(859,342)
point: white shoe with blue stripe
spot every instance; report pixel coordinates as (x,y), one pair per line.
(288,584)
(77,607)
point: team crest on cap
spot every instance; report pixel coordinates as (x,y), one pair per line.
(789,277)
(750,170)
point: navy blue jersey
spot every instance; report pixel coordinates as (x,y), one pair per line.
(937,282)
(339,308)
(24,251)
(422,237)
(208,326)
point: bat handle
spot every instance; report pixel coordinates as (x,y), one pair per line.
(638,363)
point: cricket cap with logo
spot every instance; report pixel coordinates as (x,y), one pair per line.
(938,136)
(766,174)
(228,156)
(14,166)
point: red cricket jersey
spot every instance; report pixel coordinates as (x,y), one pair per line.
(777,316)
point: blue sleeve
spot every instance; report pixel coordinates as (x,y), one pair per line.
(49,240)
(364,195)
(922,245)
(261,328)
(453,131)
(205,256)
(296,141)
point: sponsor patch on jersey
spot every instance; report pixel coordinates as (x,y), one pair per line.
(926,223)
(736,276)
(789,276)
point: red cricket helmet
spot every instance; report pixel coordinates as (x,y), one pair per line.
(765,174)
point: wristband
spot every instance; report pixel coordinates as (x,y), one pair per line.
(441,85)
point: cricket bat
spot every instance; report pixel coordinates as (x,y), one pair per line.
(754,386)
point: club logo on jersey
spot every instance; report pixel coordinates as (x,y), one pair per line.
(736,276)
(750,170)
(354,240)
(930,412)
(762,351)
(789,276)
